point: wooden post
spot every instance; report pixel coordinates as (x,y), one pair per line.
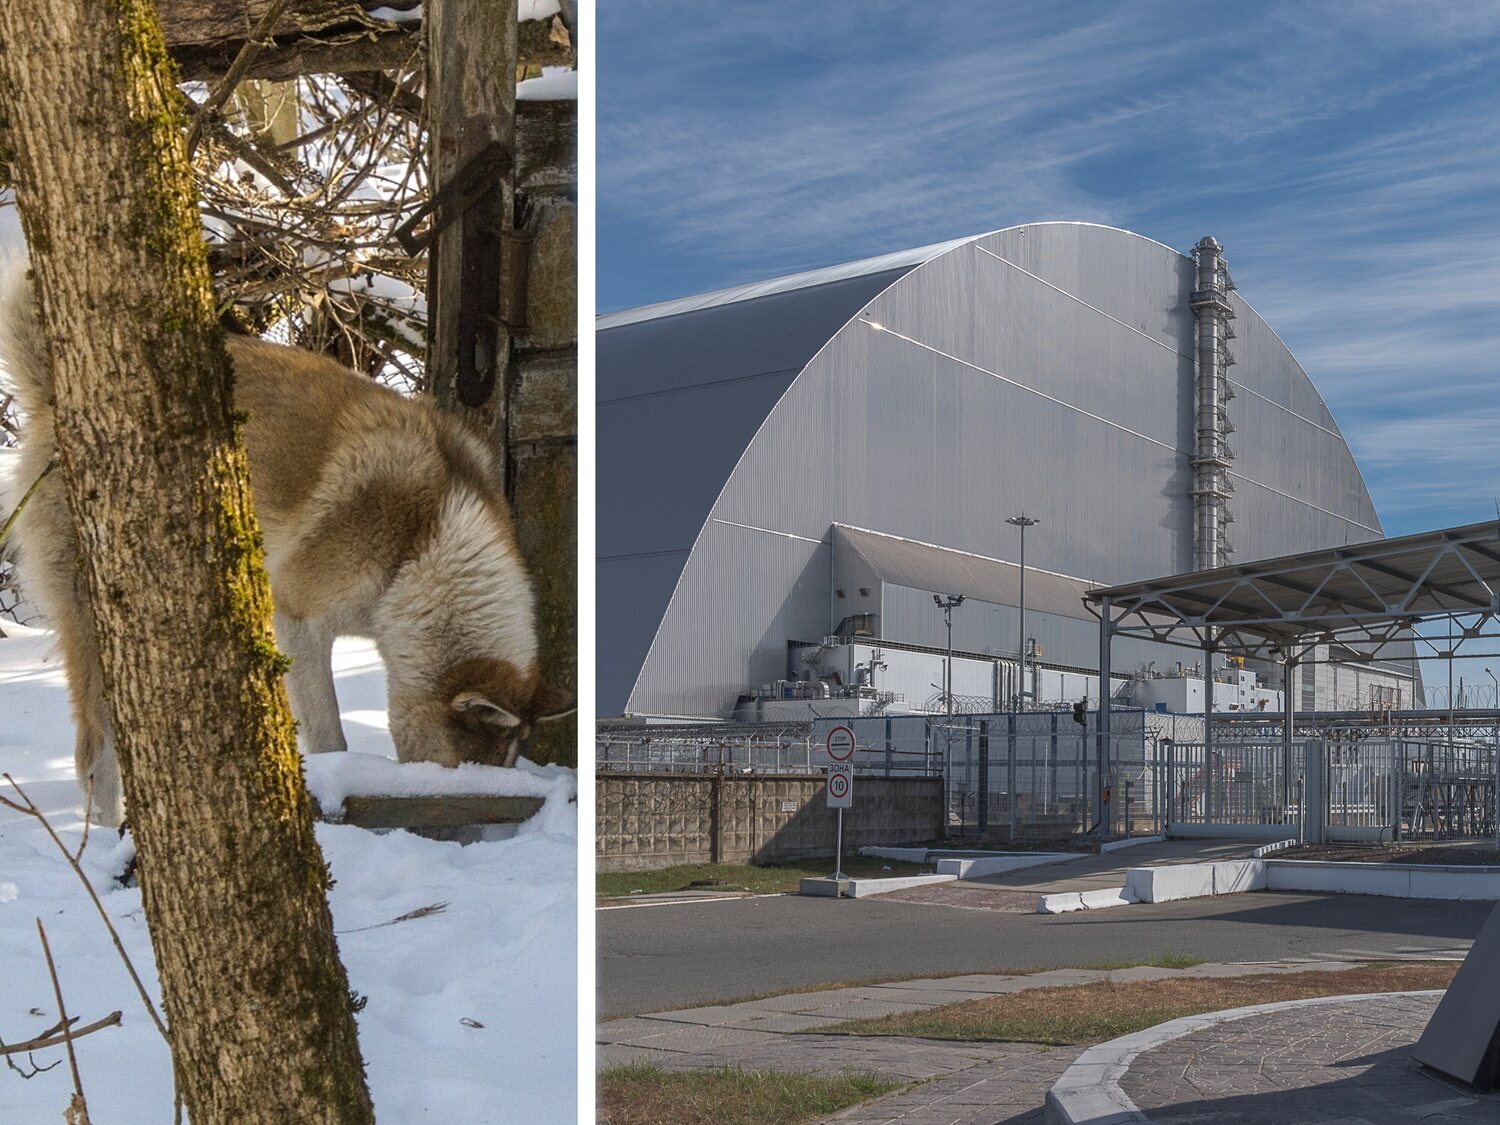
(471,104)
(531,412)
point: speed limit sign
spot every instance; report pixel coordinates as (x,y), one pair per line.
(840,785)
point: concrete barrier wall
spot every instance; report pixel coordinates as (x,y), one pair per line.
(1395,880)
(1392,880)
(648,820)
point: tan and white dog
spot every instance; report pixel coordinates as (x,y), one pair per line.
(382,518)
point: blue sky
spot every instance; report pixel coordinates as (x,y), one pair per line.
(1347,155)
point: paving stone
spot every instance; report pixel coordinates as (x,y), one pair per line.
(1323,1064)
(974,982)
(1062,978)
(1326,1064)
(1142,972)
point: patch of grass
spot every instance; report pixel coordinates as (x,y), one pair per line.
(775,879)
(1160,961)
(1094,1013)
(648,1095)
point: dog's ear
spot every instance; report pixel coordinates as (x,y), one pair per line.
(550,704)
(475,705)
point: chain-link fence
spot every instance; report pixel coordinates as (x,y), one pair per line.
(1033,774)
(1036,774)
(1027,775)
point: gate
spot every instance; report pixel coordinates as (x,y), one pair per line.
(1235,784)
(1035,774)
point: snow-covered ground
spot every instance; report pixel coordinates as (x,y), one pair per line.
(471,1009)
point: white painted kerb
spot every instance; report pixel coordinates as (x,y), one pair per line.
(1089,1093)
(864,888)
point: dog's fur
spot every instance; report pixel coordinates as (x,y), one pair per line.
(382,517)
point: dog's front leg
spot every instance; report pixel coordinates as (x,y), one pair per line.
(309,683)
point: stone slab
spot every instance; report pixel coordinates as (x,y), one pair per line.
(866,888)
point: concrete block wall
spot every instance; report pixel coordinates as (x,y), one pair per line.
(649,820)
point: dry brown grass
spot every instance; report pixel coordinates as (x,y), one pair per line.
(1094,1013)
(648,1095)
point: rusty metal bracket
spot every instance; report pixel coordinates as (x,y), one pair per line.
(478,175)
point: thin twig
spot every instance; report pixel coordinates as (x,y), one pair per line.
(35,1069)
(30,809)
(10,520)
(257,39)
(78,1110)
(60,1032)
(88,812)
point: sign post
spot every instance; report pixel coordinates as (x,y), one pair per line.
(840,786)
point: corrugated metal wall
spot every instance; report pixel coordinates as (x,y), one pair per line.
(1046,367)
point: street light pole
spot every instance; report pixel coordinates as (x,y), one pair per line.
(946,605)
(1023,521)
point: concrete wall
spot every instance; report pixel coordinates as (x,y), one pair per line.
(649,820)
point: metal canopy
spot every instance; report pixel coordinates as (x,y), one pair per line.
(925,566)
(1364,597)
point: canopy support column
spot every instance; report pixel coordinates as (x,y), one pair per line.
(1106,632)
(1288,710)
(1208,732)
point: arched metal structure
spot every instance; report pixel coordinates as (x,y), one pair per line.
(927,396)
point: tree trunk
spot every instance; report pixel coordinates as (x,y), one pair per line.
(261,1023)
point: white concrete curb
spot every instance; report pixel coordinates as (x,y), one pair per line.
(1064,902)
(1089,1093)
(999,864)
(1392,880)
(1116,845)
(864,888)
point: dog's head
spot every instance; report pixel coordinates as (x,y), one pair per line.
(479,711)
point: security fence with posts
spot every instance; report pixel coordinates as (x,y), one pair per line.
(1035,775)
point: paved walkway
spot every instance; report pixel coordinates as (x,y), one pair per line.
(1348,1063)
(975,1083)
(1016,892)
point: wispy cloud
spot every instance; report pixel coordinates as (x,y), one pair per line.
(1347,155)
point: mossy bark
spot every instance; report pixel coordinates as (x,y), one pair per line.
(233,882)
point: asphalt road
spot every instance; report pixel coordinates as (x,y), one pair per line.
(656,958)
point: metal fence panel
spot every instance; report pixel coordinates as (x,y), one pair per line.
(1238,783)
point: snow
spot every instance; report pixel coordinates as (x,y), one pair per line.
(471,1007)
(332,777)
(395,15)
(557,84)
(525,10)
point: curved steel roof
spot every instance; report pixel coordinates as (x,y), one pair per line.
(924,395)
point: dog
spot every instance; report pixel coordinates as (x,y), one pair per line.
(382,517)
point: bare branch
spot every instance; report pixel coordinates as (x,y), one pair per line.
(78,1110)
(10,520)
(54,1036)
(30,809)
(88,813)
(258,38)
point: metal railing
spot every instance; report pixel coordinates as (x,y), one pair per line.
(1237,783)
(1036,774)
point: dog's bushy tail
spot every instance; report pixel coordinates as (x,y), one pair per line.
(24,370)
